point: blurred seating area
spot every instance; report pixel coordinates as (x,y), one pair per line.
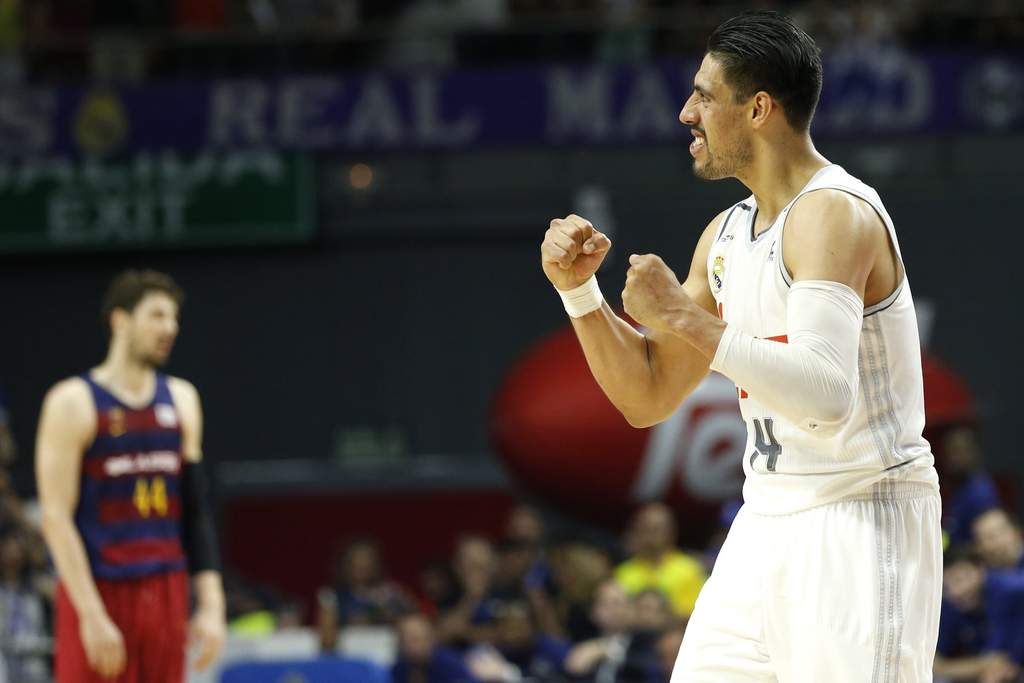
(531,606)
(133,39)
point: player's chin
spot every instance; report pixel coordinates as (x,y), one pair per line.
(706,171)
(157,359)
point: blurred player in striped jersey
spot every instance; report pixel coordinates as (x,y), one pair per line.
(125,512)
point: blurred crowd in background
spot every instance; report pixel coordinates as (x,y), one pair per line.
(132,39)
(535,606)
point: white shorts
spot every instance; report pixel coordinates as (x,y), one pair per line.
(843,593)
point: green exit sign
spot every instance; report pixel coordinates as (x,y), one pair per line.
(154,200)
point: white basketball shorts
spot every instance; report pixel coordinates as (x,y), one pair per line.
(847,592)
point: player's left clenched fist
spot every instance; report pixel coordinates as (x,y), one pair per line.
(653,295)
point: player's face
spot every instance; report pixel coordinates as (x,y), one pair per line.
(721,146)
(152,329)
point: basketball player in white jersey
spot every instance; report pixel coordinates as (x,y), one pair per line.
(832,570)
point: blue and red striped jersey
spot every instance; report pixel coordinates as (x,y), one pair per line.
(129,506)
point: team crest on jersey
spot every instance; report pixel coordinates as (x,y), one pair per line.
(165,416)
(116,418)
(718,273)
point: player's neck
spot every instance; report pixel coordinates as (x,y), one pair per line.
(779,171)
(121,372)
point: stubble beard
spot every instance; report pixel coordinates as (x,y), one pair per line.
(725,165)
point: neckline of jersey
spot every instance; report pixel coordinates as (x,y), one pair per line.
(754,239)
(126,404)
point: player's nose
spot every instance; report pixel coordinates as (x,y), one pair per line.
(688,114)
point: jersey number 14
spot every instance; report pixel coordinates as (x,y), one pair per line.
(770,448)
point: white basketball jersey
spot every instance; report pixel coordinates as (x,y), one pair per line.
(880,450)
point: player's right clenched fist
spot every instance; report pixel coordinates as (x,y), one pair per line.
(572,251)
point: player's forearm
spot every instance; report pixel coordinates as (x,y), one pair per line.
(812,379)
(619,359)
(69,557)
(209,591)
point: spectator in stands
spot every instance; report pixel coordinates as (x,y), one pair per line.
(618,654)
(651,612)
(24,636)
(436,584)
(578,569)
(466,616)
(524,569)
(1000,544)
(519,650)
(963,625)
(970,491)
(657,563)
(525,524)
(362,594)
(421,659)
(998,538)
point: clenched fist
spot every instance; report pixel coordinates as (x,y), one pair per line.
(572,251)
(653,296)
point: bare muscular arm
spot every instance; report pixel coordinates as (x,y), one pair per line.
(645,375)
(66,426)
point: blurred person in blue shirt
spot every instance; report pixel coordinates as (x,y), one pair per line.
(467,615)
(963,625)
(971,489)
(421,659)
(520,652)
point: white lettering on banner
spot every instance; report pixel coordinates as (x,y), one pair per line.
(430,127)
(884,90)
(26,120)
(300,106)
(650,107)
(300,112)
(34,170)
(703,442)
(76,219)
(238,113)
(143,463)
(578,103)
(260,162)
(375,116)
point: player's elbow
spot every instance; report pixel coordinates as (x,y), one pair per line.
(644,417)
(830,412)
(53,521)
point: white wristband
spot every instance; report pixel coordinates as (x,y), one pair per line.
(581,300)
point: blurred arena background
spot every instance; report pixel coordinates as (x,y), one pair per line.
(353,194)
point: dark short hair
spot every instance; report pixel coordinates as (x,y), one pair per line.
(961,553)
(130,287)
(765,50)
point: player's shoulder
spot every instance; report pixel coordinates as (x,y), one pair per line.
(712,229)
(182,390)
(832,214)
(69,392)
(70,400)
